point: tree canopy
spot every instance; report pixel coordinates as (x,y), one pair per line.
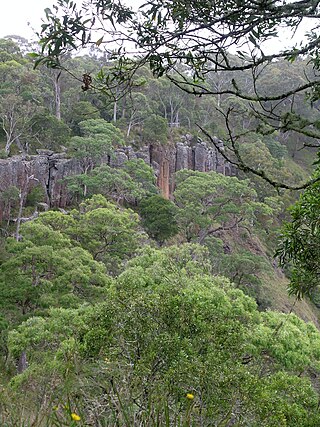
(169,340)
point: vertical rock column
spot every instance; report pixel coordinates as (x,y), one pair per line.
(164,178)
(200,157)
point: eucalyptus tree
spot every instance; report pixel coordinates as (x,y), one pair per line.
(96,142)
(126,185)
(159,217)
(211,202)
(111,234)
(43,270)
(173,345)
(299,248)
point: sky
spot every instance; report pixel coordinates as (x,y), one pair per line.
(23,18)
(16,14)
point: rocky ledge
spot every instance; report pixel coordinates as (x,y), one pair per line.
(49,169)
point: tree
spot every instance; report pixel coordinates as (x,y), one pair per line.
(111,234)
(22,98)
(50,132)
(200,36)
(9,50)
(15,117)
(44,270)
(173,344)
(268,154)
(159,217)
(142,173)
(23,193)
(300,243)
(127,184)
(10,200)
(211,202)
(139,110)
(155,130)
(78,112)
(242,267)
(97,140)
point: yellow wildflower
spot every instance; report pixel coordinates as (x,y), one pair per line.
(190,396)
(75,417)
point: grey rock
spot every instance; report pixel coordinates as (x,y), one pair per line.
(183,156)
(144,154)
(118,159)
(200,157)
(130,153)
(50,169)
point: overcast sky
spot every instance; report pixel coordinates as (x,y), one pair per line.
(16,14)
(23,17)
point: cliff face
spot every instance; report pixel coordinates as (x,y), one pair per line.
(46,170)
(186,155)
(49,169)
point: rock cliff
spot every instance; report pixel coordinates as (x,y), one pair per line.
(49,169)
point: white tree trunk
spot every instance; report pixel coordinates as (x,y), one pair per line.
(57,93)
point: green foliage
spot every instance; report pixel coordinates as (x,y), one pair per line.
(170,338)
(241,266)
(58,221)
(36,195)
(78,112)
(45,270)
(142,173)
(95,127)
(97,139)
(165,340)
(270,156)
(211,202)
(129,184)
(50,131)
(300,243)
(158,216)
(10,200)
(253,92)
(109,233)
(155,130)
(277,150)
(9,50)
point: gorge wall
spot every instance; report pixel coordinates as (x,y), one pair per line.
(49,169)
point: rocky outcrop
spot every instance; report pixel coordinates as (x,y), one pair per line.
(49,169)
(187,154)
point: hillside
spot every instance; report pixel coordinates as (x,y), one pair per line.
(138,277)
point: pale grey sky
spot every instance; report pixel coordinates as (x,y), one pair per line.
(16,14)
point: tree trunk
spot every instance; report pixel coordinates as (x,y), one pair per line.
(129,129)
(115,111)
(21,196)
(22,363)
(23,149)
(57,93)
